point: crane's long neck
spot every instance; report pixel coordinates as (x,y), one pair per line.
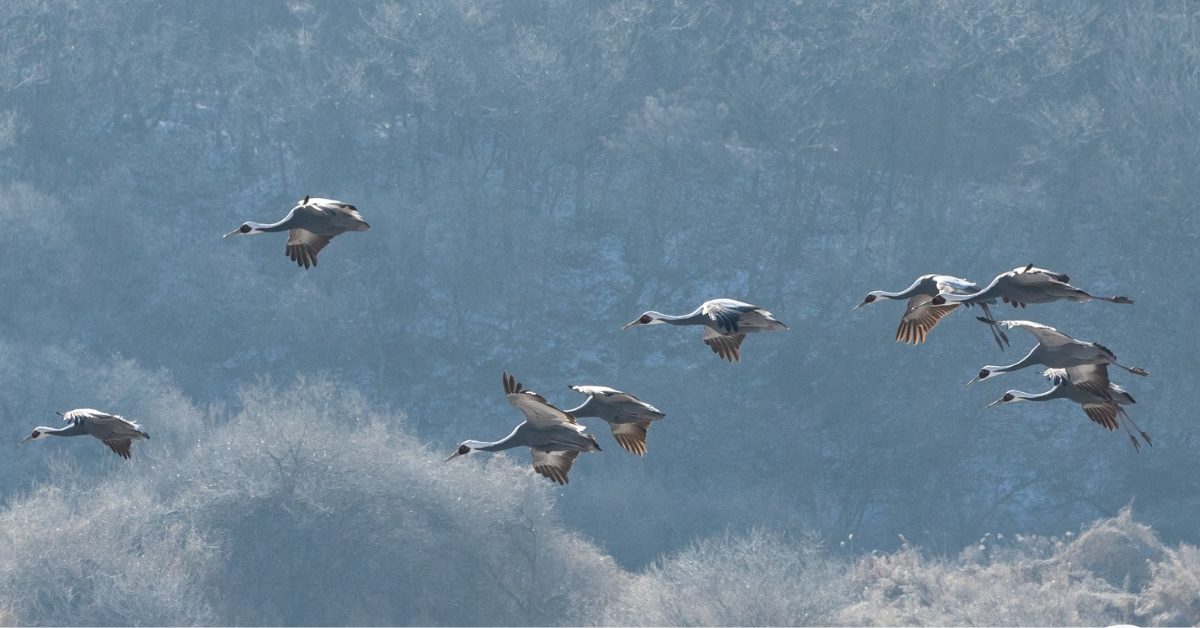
(587,408)
(260,227)
(74,429)
(508,442)
(695,318)
(923,285)
(1028,360)
(1053,393)
(899,296)
(500,445)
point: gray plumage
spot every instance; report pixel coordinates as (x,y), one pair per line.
(552,436)
(113,430)
(726,323)
(1025,285)
(627,416)
(1058,350)
(1103,410)
(922,315)
(311,224)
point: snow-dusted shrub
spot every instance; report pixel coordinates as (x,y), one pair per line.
(303,508)
(1118,550)
(101,554)
(758,579)
(1172,598)
(905,588)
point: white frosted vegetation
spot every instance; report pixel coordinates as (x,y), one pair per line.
(305,506)
(760,579)
(302,508)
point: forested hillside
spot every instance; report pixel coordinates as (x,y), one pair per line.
(537,174)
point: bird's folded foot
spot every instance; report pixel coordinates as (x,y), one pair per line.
(1137,370)
(1125,300)
(1136,447)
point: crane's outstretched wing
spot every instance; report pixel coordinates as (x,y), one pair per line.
(120,446)
(1056,376)
(342,216)
(90,414)
(1091,377)
(623,402)
(952,284)
(728,346)
(724,313)
(1045,334)
(631,436)
(1103,413)
(988,293)
(920,317)
(595,391)
(537,410)
(1032,275)
(554,464)
(303,246)
(104,425)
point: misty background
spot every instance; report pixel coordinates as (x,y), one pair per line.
(537,174)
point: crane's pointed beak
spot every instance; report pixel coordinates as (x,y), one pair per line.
(973,380)
(25,440)
(858,306)
(628,325)
(452,457)
(1000,400)
(232,233)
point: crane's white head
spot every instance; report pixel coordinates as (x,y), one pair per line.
(984,373)
(872,297)
(1009,397)
(38,432)
(463,449)
(245,229)
(649,318)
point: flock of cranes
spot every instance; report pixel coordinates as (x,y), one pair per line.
(555,438)
(1078,370)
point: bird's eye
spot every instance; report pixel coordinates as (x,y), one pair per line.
(870,298)
(644,319)
(984,373)
(1008,397)
(463,450)
(244,229)
(34,434)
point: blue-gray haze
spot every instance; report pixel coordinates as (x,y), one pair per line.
(537,174)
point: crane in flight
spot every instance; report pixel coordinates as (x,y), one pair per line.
(628,416)
(1058,350)
(726,323)
(1026,285)
(922,315)
(552,436)
(1104,411)
(113,430)
(311,224)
